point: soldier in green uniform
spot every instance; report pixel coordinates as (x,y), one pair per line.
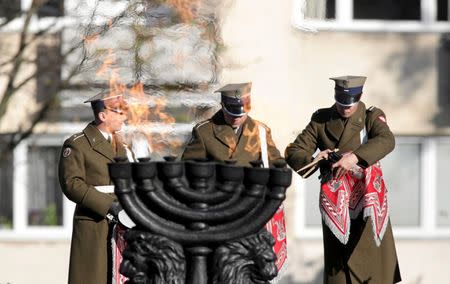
(84,179)
(231,134)
(362,137)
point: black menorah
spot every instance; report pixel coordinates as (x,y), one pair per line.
(199,222)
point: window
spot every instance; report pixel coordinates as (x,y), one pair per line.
(9,9)
(443,192)
(52,8)
(6,200)
(369,15)
(44,194)
(443,10)
(393,10)
(32,205)
(418,198)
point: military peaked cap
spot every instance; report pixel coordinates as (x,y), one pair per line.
(348,89)
(236,98)
(113,100)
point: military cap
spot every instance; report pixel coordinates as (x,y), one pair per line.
(108,99)
(104,95)
(235,98)
(348,89)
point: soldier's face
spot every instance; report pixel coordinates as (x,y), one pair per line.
(114,119)
(234,121)
(346,111)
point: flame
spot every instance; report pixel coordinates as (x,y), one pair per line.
(186,8)
(106,67)
(138,113)
(179,59)
(90,38)
(145,119)
(140,118)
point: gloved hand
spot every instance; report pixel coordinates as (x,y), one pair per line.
(113,211)
(334,157)
(326,164)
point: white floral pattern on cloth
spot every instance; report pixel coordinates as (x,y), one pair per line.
(344,199)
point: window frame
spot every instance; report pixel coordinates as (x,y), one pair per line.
(344,20)
(428,227)
(105,9)
(21,230)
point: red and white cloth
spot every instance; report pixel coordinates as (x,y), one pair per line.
(118,244)
(344,199)
(277,227)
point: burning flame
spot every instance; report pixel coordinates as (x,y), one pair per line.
(139,117)
(138,112)
(186,8)
(90,38)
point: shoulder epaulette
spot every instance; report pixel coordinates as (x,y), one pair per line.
(202,123)
(76,136)
(257,122)
(322,111)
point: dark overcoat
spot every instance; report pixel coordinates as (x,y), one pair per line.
(361,259)
(215,140)
(84,164)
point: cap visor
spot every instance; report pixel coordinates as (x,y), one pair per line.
(233,114)
(346,105)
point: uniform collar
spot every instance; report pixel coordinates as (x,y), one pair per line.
(334,125)
(354,125)
(98,142)
(225,133)
(105,134)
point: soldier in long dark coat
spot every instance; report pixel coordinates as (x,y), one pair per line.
(363,137)
(231,134)
(84,179)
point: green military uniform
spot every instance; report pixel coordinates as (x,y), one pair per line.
(84,164)
(215,140)
(360,256)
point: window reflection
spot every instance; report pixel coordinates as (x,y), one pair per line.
(44,194)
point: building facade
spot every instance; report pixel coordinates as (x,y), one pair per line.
(288,49)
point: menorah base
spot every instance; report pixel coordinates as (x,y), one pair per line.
(150,258)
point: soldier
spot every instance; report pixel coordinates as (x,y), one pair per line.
(84,179)
(358,242)
(231,134)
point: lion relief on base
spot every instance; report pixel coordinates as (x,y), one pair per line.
(246,261)
(152,259)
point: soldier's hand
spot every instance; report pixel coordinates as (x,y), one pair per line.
(322,155)
(341,167)
(113,211)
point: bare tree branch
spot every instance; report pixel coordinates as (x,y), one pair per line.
(17,60)
(91,29)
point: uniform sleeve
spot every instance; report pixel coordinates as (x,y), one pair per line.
(299,153)
(272,151)
(72,176)
(195,149)
(380,142)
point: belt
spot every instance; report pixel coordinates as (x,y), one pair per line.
(105,188)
